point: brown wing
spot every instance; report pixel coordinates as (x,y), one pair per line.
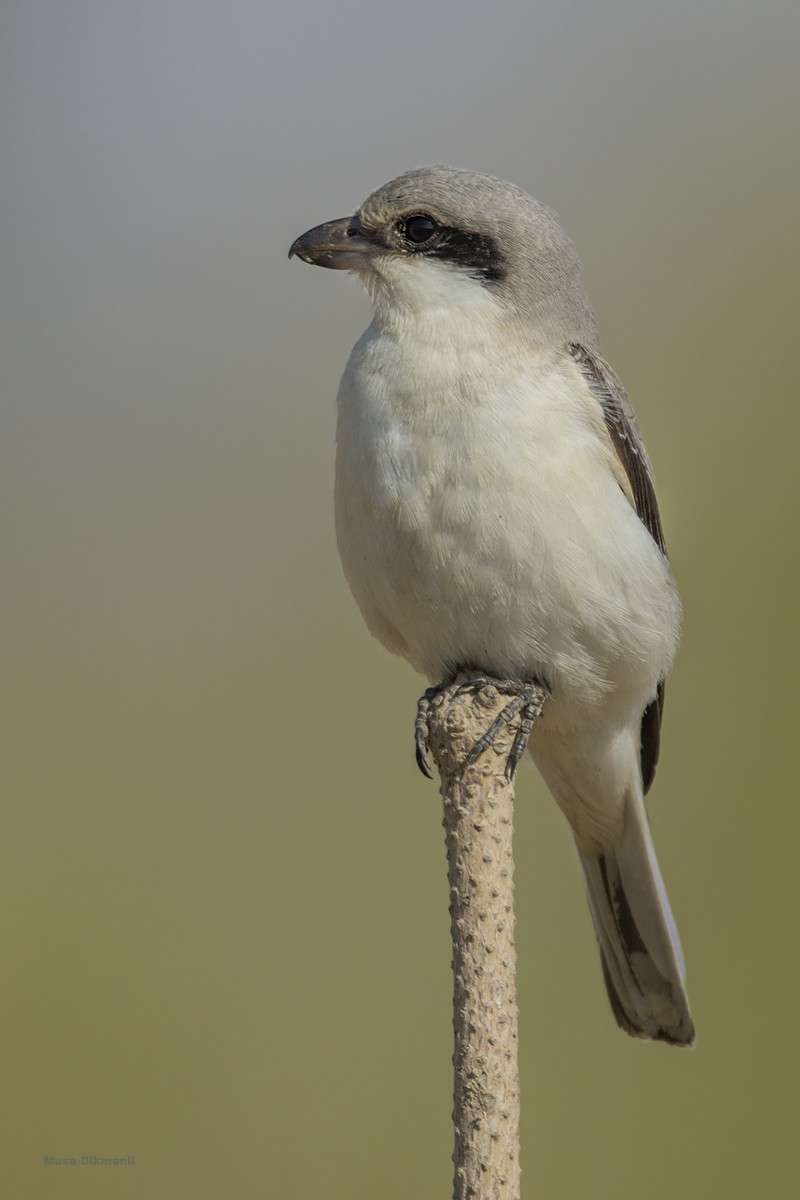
(627,441)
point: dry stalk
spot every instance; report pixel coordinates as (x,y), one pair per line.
(478,822)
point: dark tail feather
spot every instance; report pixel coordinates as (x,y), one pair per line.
(639,947)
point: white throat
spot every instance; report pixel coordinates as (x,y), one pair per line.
(430,298)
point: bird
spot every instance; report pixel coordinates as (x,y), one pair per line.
(496,513)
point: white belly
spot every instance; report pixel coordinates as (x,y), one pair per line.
(481,523)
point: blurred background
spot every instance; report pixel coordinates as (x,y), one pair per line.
(223,896)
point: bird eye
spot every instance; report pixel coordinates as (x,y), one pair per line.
(419,228)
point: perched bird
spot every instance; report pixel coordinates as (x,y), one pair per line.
(495,512)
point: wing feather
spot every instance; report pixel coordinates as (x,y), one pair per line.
(627,441)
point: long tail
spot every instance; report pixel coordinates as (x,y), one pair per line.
(639,946)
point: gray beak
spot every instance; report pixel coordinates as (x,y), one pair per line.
(339,245)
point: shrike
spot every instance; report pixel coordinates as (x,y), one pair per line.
(495,513)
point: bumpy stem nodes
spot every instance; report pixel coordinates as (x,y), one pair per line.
(478,822)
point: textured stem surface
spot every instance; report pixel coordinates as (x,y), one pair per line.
(478,822)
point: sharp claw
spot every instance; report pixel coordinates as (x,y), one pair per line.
(472,757)
(512,762)
(421,733)
(533,705)
(422,761)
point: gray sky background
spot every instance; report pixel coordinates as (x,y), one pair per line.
(222,881)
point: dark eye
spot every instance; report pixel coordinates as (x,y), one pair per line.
(419,229)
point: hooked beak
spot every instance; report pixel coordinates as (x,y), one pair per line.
(340,245)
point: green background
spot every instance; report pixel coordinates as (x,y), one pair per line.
(223,900)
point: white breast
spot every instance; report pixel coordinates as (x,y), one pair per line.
(480,516)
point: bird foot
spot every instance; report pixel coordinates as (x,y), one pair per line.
(526,703)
